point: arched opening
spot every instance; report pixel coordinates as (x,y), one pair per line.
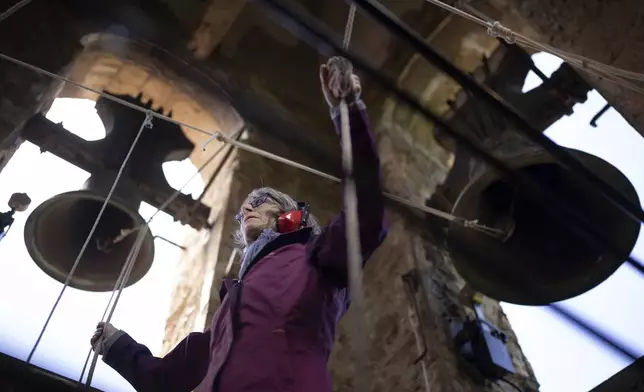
(178,172)
(78,116)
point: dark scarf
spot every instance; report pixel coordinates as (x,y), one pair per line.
(253,249)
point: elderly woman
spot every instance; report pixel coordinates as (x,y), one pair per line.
(275,327)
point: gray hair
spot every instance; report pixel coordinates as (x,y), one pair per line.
(284,202)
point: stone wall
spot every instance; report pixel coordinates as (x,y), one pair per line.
(195,275)
(24,92)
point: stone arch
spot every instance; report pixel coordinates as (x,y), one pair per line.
(121,66)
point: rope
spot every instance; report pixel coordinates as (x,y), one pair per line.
(119,286)
(11,10)
(359,335)
(496,29)
(125,275)
(348,28)
(147,123)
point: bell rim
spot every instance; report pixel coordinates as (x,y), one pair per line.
(37,257)
(561,290)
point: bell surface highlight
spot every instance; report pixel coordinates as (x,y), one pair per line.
(539,260)
(57,229)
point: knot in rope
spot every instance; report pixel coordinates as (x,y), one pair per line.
(496,29)
(215,136)
(470,223)
(147,123)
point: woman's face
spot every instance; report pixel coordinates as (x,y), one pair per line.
(256,214)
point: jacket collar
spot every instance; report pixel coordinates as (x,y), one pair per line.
(301,236)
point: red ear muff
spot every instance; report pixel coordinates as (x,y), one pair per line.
(293,220)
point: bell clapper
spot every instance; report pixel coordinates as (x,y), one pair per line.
(502,226)
(124,234)
(104,244)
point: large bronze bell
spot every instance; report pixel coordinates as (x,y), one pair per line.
(56,230)
(538,260)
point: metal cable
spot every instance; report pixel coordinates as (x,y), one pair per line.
(530,186)
(101,93)
(535,190)
(13,9)
(496,29)
(211,181)
(250,148)
(401,30)
(300,22)
(218,136)
(147,123)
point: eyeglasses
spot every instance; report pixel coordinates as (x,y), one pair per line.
(256,202)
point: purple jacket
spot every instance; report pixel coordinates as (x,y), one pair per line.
(274,330)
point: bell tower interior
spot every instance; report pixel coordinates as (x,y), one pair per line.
(433,290)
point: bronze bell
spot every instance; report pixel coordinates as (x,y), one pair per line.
(538,260)
(56,230)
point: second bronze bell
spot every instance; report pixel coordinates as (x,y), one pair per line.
(539,260)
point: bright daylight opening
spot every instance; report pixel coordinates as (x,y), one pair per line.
(547,64)
(78,116)
(30,293)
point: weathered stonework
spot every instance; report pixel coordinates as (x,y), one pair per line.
(120,66)
(609,31)
(195,275)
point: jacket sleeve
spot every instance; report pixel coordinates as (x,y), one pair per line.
(329,249)
(181,370)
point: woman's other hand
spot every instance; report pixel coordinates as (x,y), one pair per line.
(103,332)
